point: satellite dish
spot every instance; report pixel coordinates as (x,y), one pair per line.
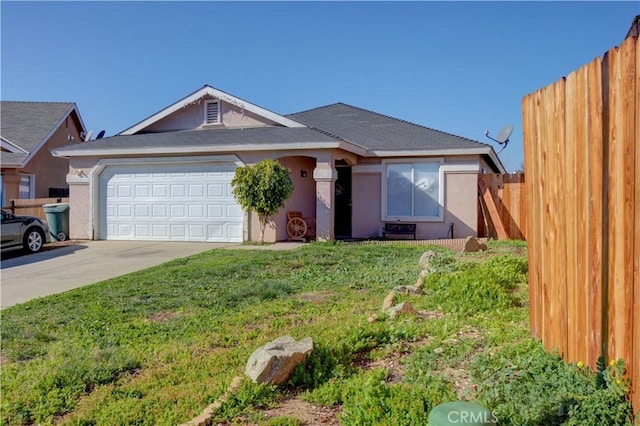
(86,136)
(503,136)
(100,135)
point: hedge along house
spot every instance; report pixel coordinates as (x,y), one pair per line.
(167,178)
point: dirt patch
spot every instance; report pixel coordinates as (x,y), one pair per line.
(392,363)
(162,316)
(308,414)
(316,297)
(429,314)
(462,383)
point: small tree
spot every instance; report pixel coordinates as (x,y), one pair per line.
(262,188)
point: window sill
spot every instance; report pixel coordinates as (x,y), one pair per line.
(416,219)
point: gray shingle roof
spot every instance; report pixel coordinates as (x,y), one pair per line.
(206,138)
(26,124)
(9,159)
(379,132)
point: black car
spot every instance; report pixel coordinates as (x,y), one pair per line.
(23,232)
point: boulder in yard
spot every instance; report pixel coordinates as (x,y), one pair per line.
(425,259)
(420,282)
(389,301)
(275,362)
(472,245)
(407,289)
(401,308)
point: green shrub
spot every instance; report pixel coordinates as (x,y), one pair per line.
(284,421)
(372,401)
(529,386)
(249,396)
(478,287)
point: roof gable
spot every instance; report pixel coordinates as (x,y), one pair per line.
(26,126)
(208,91)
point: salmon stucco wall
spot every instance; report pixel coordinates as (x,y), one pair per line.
(79,212)
(80,209)
(366,219)
(460,201)
(303,199)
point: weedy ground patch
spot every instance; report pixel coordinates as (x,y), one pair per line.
(157,346)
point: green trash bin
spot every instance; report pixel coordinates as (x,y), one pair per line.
(58,220)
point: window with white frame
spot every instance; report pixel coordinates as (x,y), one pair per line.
(212,112)
(26,188)
(413,190)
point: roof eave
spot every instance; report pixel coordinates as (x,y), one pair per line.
(184,150)
(482,150)
(11,147)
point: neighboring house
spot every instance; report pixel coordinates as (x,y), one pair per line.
(168,177)
(28,131)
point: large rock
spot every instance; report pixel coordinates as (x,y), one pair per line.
(408,289)
(401,308)
(389,301)
(471,245)
(274,362)
(426,258)
(420,281)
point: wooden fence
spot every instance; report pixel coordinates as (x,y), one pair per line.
(32,207)
(509,196)
(582,159)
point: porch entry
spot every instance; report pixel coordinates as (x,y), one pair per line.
(342,220)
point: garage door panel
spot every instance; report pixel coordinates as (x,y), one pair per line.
(215,190)
(234,212)
(142,211)
(177,211)
(196,190)
(158,211)
(142,191)
(215,211)
(143,230)
(197,211)
(235,231)
(170,203)
(178,191)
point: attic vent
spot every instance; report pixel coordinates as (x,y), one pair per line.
(212,112)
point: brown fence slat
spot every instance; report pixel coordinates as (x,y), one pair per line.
(596,195)
(580,226)
(528,128)
(635,368)
(572,121)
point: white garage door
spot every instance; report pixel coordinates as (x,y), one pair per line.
(170,203)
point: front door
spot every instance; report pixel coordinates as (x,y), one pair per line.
(343,203)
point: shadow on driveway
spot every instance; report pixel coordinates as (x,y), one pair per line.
(19,258)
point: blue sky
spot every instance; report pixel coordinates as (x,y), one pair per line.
(459,67)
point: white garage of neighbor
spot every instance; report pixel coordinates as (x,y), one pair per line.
(169,203)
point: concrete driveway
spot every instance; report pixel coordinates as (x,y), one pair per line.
(54,271)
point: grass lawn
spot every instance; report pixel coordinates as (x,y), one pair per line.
(157,346)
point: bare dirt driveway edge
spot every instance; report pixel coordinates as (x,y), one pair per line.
(54,271)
